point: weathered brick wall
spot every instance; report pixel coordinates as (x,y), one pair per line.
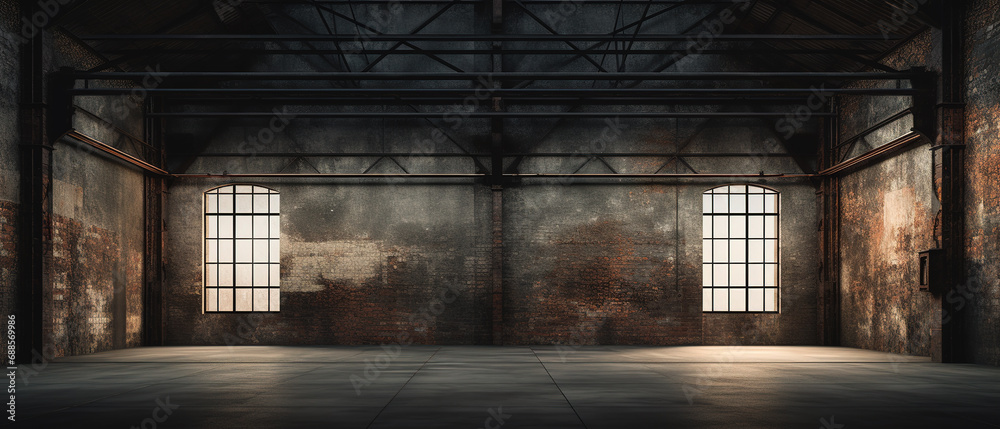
(360,264)
(799,257)
(10,48)
(981,297)
(94,301)
(887,217)
(859,113)
(95,277)
(884,224)
(9,150)
(596,278)
(622,264)
(8,257)
(599,263)
(596,265)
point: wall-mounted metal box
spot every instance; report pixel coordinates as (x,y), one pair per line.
(932,269)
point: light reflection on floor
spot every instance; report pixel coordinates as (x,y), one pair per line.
(482,386)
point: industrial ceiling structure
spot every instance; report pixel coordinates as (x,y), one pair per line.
(513,59)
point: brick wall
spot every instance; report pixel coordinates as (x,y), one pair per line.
(622,264)
(884,224)
(8,257)
(887,217)
(596,266)
(94,300)
(95,295)
(9,155)
(981,295)
(583,262)
(356,268)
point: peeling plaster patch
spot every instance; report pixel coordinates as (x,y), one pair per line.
(897,219)
(665,227)
(897,319)
(96,301)
(349,262)
(67,199)
(885,222)
(983,177)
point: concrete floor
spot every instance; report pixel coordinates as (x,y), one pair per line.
(540,387)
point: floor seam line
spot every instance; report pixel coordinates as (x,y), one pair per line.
(577,414)
(374,419)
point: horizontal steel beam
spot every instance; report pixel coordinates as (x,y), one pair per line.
(484,155)
(661,176)
(115,153)
(604,101)
(487,93)
(874,154)
(501,115)
(462,38)
(341,155)
(646,155)
(476,176)
(473,2)
(486,76)
(510,51)
(902,114)
(336,175)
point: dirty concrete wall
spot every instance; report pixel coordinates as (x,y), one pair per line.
(9,151)
(361,263)
(594,262)
(981,296)
(799,258)
(94,301)
(887,217)
(612,262)
(621,264)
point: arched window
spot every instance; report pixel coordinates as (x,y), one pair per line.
(242,246)
(741,253)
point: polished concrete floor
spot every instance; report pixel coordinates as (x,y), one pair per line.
(509,387)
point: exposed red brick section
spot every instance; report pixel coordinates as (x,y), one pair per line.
(379,309)
(884,225)
(606,284)
(623,265)
(91,271)
(981,297)
(382,278)
(8,256)
(881,309)
(888,213)
(578,269)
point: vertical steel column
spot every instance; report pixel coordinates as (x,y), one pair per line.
(949,150)
(829,235)
(497,265)
(496,178)
(154,189)
(35,235)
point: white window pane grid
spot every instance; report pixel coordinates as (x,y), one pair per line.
(244,299)
(737,226)
(737,204)
(242,249)
(740,249)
